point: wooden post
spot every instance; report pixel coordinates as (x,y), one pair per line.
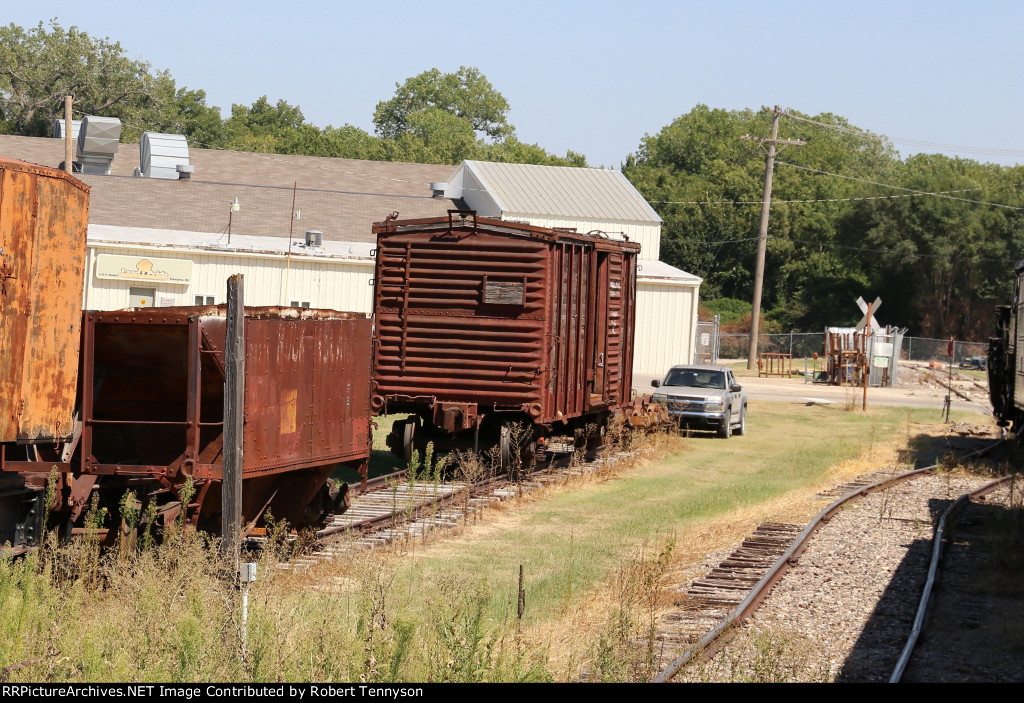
(762,234)
(522,594)
(68,154)
(234,414)
(867,358)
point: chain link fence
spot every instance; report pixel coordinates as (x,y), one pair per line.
(797,344)
(802,345)
(923,349)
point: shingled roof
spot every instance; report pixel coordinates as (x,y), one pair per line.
(341,198)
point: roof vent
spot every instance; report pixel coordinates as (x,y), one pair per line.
(97,144)
(161,154)
(314,238)
(58,128)
(438,188)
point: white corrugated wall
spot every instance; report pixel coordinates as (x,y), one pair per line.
(338,284)
(666,322)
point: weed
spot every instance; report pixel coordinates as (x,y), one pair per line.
(627,648)
(462,649)
(766,656)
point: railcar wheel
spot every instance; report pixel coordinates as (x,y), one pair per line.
(408,434)
(505,448)
(596,440)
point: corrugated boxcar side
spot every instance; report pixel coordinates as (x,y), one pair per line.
(461,317)
(532,320)
(44,215)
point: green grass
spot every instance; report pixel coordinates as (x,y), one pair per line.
(578,537)
(382,460)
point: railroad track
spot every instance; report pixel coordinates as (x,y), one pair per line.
(391,509)
(713,609)
(968,619)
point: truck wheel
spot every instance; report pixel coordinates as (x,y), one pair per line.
(725,431)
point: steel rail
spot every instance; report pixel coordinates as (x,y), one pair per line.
(713,640)
(938,542)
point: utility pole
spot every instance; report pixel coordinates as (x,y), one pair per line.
(68,152)
(762,236)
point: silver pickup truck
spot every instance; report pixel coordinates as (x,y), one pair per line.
(703,398)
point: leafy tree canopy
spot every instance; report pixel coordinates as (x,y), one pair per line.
(432,118)
(466,94)
(39,66)
(940,263)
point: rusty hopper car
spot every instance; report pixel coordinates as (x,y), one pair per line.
(152,410)
(481,323)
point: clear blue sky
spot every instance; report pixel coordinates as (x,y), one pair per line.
(596,77)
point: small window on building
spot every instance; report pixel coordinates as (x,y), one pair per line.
(204,300)
(300,304)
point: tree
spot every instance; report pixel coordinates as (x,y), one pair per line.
(467,94)
(263,127)
(40,66)
(184,111)
(706,182)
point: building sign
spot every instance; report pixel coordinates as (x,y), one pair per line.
(883,348)
(143,268)
(881,362)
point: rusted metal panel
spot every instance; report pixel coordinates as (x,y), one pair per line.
(43,220)
(504,316)
(153,400)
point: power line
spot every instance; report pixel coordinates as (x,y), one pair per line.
(909,190)
(995,151)
(830,200)
(276,158)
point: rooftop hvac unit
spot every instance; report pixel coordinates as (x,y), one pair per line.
(314,238)
(58,128)
(97,144)
(160,155)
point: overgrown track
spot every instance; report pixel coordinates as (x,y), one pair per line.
(714,607)
(392,508)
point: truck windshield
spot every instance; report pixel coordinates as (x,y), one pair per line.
(689,378)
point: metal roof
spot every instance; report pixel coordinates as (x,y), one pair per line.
(563,191)
(655,270)
(340,197)
(217,242)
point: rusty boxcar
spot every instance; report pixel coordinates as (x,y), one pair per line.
(481,323)
(152,409)
(43,220)
(44,215)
